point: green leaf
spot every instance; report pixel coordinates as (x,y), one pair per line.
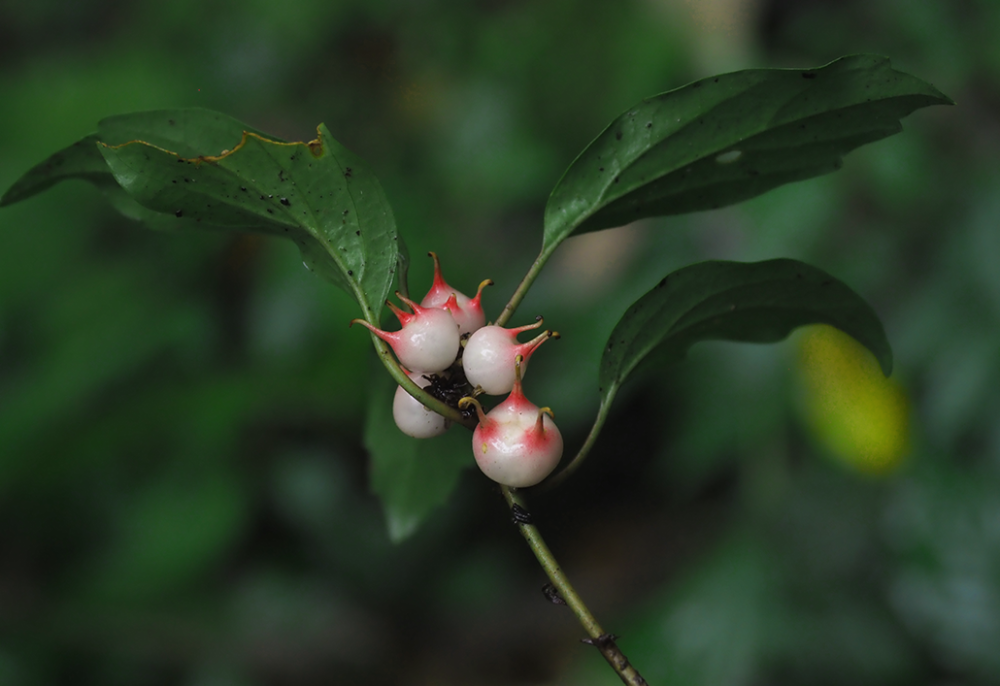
(318,194)
(728,138)
(78,161)
(411,476)
(190,132)
(196,168)
(760,302)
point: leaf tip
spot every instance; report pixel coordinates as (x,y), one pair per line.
(885,362)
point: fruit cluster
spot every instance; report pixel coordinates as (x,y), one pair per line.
(446,347)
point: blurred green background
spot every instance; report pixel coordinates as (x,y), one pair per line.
(184,493)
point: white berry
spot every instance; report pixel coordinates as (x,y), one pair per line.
(490,352)
(412,417)
(428,340)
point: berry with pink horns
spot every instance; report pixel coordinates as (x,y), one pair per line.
(468,312)
(517,443)
(490,352)
(428,340)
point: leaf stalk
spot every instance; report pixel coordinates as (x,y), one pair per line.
(600,639)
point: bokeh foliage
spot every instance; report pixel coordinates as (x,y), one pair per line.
(183,483)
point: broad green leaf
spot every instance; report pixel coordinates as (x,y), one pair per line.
(188,132)
(411,476)
(728,138)
(196,168)
(760,302)
(78,161)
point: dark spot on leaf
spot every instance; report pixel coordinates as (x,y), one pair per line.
(285,202)
(173,181)
(649,125)
(171,122)
(243,188)
(262,197)
(270,196)
(350,272)
(179,213)
(187,180)
(716,79)
(180,160)
(357,233)
(601,169)
(281,175)
(808,75)
(696,84)
(270,211)
(348,173)
(663,282)
(345,211)
(616,179)
(618,135)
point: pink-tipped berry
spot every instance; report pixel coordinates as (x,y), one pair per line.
(517,443)
(412,417)
(468,312)
(428,340)
(489,356)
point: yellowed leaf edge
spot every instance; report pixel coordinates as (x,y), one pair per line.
(315,147)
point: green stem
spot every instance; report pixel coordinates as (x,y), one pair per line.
(409,385)
(601,640)
(574,464)
(522,288)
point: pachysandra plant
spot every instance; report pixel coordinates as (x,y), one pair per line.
(711,143)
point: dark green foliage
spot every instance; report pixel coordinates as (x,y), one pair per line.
(205,167)
(733,301)
(728,138)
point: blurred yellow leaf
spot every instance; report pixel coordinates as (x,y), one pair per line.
(858,415)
